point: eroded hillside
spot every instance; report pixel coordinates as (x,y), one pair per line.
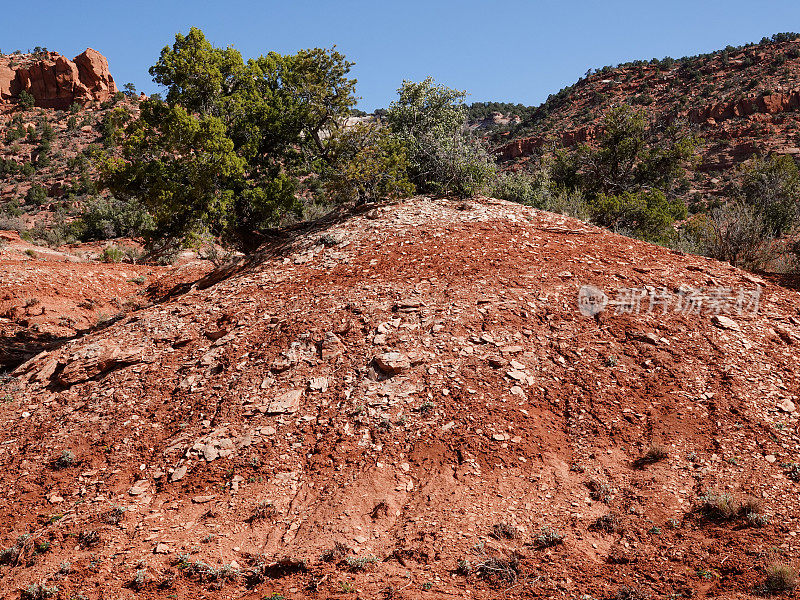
(739,102)
(408,403)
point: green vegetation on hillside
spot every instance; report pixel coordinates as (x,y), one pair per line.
(235,146)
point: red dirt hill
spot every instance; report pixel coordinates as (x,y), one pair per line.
(413,394)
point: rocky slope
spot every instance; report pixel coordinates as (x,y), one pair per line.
(408,403)
(52,150)
(740,101)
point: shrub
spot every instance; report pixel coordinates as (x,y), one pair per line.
(359,563)
(528,188)
(46,132)
(719,507)
(26,100)
(599,490)
(648,215)
(444,156)
(654,453)
(772,187)
(504,531)
(262,510)
(10,556)
(780,577)
(36,195)
(108,218)
(232,138)
(368,163)
(67,459)
(549,536)
(112,254)
(38,591)
(609,523)
(738,235)
(89,538)
(499,569)
(337,553)
(113,516)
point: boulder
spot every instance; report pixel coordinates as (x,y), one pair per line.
(96,359)
(392,362)
(8,77)
(94,74)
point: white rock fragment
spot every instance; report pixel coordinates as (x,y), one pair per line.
(288,402)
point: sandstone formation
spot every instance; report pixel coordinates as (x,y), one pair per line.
(55,81)
(770,104)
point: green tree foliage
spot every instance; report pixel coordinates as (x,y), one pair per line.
(129,89)
(536,187)
(629,178)
(36,195)
(26,100)
(632,155)
(531,188)
(181,165)
(772,187)
(107,218)
(444,156)
(223,153)
(647,215)
(368,163)
(113,123)
(759,225)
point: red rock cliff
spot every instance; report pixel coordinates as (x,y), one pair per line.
(55,81)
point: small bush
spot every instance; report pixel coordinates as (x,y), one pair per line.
(113,516)
(109,218)
(329,240)
(504,531)
(528,188)
(112,254)
(792,471)
(66,460)
(263,510)
(548,537)
(38,591)
(36,195)
(647,215)
(369,164)
(499,569)
(599,490)
(780,577)
(10,556)
(444,156)
(337,553)
(89,538)
(26,100)
(359,563)
(655,452)
(719,507)
(609,523)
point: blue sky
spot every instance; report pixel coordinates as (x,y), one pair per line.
(516,51)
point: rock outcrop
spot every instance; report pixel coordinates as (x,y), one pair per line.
(527,146)
(769,104)
(55,81)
